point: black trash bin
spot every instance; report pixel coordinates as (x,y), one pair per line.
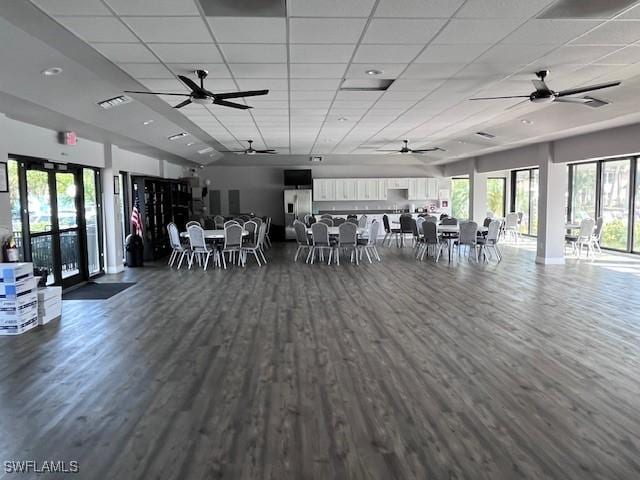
(135,250)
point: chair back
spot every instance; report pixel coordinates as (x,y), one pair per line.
(431,218)
(406,224)
(338,221)
(327,221)
(353,220)
(326,215)
(385,222)
(449,221)
(468,233)
(252,228)
(230,222)
(262,232)
(218,220)
(587,227)
(520,217)
(239,220)
(301,233)
(487,221)
(430,232)
(307,219)
(443,216)
(414,229)
(511,220)
(196,238)
(258,220)
(597,234)
(268,222)
(320,233)
(374,229)
(419,222)
(493,232)
(192,222)
(362,222)
(233,236)
(347,234)
(174,235)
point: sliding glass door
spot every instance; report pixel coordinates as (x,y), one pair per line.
(614,201)
(496,187)
(524,201)
(583,188)
(636,214)
(460,198)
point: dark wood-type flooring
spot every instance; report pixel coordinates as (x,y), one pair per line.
(394,370)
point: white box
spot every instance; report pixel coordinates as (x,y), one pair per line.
(48,293)
(13,290)
(19,328)
(11,272)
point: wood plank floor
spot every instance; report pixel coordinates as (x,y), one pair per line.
(393,370)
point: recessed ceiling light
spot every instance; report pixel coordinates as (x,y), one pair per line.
(51,72)
(205,150)
(373,72)
(147,122)
(178,135)
(343,119)
(526,122)
(190,144)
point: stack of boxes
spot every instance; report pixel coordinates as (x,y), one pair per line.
(18,298)
(49,304)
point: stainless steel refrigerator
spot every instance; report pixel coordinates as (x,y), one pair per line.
(297,204)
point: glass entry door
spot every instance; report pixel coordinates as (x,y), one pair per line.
(55,223)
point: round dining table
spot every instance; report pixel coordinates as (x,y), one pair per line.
(335,231)
(213,234)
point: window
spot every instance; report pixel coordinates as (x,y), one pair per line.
(525,199)
(636,215)
(495,196)
(91,188)
(614,201)
(15,205)
(583,191)
(460,198)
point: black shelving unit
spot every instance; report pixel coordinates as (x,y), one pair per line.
(161,201)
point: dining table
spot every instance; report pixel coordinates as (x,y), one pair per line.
(451,233)
(217,234)
(335,231)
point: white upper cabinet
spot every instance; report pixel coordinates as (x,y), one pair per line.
(398,183)
(346,188)
(324,189)
(432,188)
(417,189)
(367,189)
(382,189)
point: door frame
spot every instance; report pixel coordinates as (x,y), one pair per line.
(25,163)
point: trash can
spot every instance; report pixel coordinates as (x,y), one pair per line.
(134,250)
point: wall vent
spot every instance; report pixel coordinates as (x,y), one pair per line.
(115,102)
(244,8)
(366,84)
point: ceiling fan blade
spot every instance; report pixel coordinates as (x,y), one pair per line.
(183,104)
(160,93)
(424,150)
(540,86)
(231,151)
(231,104)
(266,151)
(191,84)
(248,93)
(499,98)
(573,91)
(571,100)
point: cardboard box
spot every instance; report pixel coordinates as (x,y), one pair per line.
(17,329)
(13,272)
(21,287)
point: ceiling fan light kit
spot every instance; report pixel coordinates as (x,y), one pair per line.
(251,150)
(405,149)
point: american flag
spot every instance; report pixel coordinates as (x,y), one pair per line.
(136,219)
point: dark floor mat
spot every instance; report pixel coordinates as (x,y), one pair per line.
(96,291)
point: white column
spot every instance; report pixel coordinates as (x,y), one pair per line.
(552,193)
(477,194)
(112,216)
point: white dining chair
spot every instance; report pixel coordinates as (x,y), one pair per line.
(178,251)
(199,248)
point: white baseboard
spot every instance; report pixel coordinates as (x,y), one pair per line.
(550,260)
(112,269)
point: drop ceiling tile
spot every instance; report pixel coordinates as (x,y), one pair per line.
(451,53)
(356,96)
(169,29)
(549,32)
(125,52)
(146,70)
(259,70)
(468,31)
(330,8)
(417,8)
(434,71)
(626,56)
(325,30)
(575,54)
(402,30)
(220,85)
(163,85)
(315,84)
(502,8)
(312,95)
(187,53)
(386,53)
(513,54)
(317,70)
(72,7)
(154,7)
(389,70)
(321,53)
(271,84)
(249,29)
(254,53)
(414,85)
(216,70)
(98,29)
(612,33)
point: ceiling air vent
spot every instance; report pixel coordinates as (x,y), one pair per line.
(178,135)
(595,102)
(564,9)
(485,135)
(244,8)
(115,102)
(205,150)
(365,84)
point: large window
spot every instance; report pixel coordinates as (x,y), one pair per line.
(524,193)
(15,205)
(614,201)
(460,198)
(583,191)
(636,215)
(495,196)
(92,225)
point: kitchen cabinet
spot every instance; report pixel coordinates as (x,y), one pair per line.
(432,188)
(367,189)
(417,189)
(382,189)
(398,183)
(324,189)
(345,189)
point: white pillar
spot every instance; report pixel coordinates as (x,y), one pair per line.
(552,191)
(112,216)
(477,194)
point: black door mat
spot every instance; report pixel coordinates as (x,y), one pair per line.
(96,291)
